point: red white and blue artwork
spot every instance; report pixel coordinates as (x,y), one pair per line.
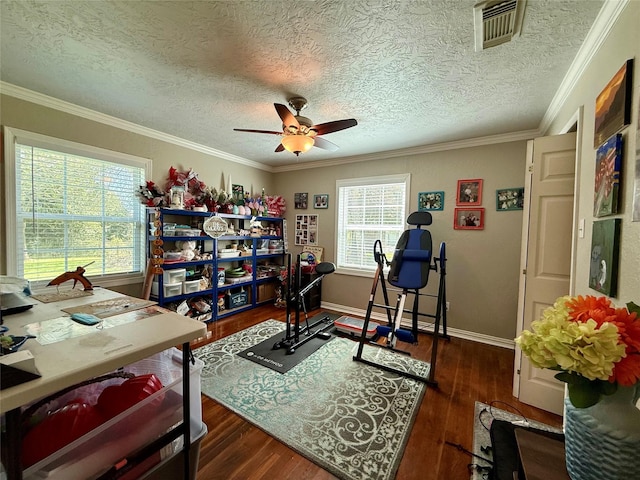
(607,180)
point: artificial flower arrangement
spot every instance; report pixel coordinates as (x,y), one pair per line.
(594,345)
(197,194)
(276,205)
(151,195)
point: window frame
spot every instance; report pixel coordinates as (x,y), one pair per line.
(365,181)
(13,136)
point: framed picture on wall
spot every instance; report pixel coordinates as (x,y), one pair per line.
(306,229)
(613,105)
(469,192)
(468,219)
(605,248)
(510,199)
(237,192)
(430,201)
(607,178)
(301,200)
(321,201)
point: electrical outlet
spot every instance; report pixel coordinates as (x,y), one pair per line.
(447,306)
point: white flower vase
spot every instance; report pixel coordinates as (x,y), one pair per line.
(602,442)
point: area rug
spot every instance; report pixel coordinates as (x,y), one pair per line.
(351,419)
(483,416)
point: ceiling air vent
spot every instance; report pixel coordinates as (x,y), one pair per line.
(497,21)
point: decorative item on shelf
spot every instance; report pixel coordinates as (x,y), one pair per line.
(151,195)
(595,347)
(276,205)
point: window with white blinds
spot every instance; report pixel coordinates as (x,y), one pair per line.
(74,205)
(369,209)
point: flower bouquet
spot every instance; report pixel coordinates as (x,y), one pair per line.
(594,345)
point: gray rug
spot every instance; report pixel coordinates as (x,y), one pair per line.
(350,418)
(484,415)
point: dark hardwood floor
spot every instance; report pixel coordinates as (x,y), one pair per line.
(466,372)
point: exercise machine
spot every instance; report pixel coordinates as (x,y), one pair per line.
(295,337)
(409,273)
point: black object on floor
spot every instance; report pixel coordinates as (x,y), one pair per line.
(505,448)
(278,359)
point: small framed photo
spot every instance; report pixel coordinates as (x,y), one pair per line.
(237,192)
(468,219)
(510,199)
(321,201)
(430,201)
(469,192)
(301,200)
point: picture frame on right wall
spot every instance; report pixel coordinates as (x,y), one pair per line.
(509,199)
(613,104)
(607,178)
(605,251)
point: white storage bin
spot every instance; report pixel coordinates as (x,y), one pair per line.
(171,289)
(190,286)
(96,452)
(177,275)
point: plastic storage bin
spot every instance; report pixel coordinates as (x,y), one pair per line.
(171,289)
(96,452)
(191,286)
(177,275)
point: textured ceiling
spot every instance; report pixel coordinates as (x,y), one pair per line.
(406,70)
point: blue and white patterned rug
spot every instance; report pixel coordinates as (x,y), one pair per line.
(350,418)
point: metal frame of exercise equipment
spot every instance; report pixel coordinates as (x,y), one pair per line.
(393,330)
(292,340)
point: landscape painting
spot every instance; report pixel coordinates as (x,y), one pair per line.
(613,105)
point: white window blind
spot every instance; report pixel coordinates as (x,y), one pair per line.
(74,210)
(369,209)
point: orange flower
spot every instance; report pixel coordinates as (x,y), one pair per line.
(627,370)
(582,308)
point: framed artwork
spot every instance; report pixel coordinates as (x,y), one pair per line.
(237,192)
(510,199)
(301,200)
(430,201)
(605,247)
(306,229)
(613,105)
(635,217)
(468,219)
(607,180)
(321,201)
(469,192)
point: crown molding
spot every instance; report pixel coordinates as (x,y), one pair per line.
(598,33)
(70,108)
(405,152)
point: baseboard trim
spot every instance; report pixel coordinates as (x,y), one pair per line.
(453,332)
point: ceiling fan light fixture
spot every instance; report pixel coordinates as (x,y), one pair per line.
(297,143)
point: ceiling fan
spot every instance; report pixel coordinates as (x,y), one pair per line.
(299,133)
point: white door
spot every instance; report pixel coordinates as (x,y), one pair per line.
(546,258)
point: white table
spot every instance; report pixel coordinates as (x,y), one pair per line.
(72,361)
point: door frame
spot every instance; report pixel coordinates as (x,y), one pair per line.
(578,232)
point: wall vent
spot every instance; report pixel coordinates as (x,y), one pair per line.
(497,22)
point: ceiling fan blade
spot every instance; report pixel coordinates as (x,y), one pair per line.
(279,148)
(288,120)
(324,144)
(330,127)
(257,131)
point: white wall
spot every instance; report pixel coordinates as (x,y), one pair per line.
(622,43)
